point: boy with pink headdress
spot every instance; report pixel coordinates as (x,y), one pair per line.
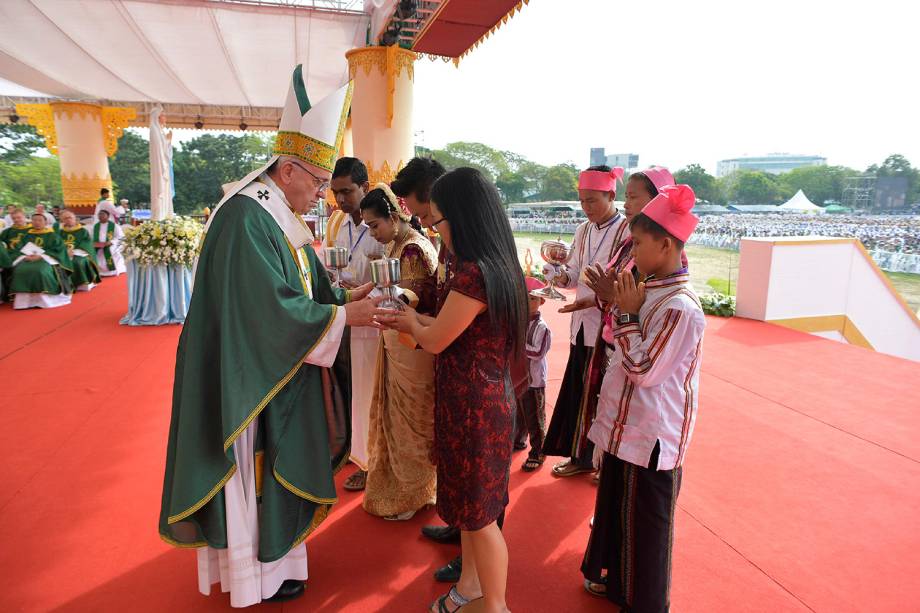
(646,411)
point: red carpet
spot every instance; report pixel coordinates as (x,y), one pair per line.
(801,488)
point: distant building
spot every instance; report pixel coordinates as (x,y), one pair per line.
(775,163)
(599,157)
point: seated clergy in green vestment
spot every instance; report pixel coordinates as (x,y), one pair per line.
(41,270)
(80,248)
(256,433)
(12,235)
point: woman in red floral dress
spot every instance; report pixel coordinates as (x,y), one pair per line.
(479,329)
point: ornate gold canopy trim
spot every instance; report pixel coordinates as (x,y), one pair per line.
(41,118)
(83,190)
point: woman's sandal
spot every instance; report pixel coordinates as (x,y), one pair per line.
(532,464)
(455,598)
(357,481)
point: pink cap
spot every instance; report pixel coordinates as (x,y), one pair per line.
(659,176)
(671,210)
(533,284)
(600,181)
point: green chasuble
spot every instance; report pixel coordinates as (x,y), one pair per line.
(5,260)
(40,277)
(13,238)
(240,357)
(85,270)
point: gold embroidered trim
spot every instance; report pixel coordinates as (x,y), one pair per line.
(207,498)
(176,543)
(299,492)
(319,516)
(306,148)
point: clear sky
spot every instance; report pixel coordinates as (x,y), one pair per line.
(680,81)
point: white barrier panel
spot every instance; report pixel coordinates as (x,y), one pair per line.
(826,286)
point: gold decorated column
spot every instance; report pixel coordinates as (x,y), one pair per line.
(83,136)
(381,110)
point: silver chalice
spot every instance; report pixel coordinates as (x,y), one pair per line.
(386,275)
(336,259)
(556,253)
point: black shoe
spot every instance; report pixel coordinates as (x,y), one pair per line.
(289,590)
(450,573)
(442,534)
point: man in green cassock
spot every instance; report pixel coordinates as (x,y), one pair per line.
(41,270)
(79,245)
(256,434)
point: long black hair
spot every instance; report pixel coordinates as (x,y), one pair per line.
(377,202)
(480,233)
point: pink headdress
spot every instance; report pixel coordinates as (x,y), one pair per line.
(659,176)
(671,210)
(600,181)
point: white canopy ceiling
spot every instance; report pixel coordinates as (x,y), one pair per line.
(201,52)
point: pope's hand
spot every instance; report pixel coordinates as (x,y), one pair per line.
(550,272)
(360,293)
(361,312)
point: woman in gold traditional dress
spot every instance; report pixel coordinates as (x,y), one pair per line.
(401,478)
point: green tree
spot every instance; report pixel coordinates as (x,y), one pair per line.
(820,183)
(896,165)
(202,165)
(35,179)
(18,142)
(560,182)
(130,168)
(703,183)
(751,187)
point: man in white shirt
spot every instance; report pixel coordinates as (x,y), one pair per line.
(105,204)
(357,361)
(49,218)
(595,242)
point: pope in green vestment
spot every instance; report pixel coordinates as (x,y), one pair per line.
(81,250)
(249,327)
(252,393)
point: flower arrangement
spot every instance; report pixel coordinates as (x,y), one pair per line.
(158,243)
(718,304)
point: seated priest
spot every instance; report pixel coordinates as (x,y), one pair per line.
(41,269)
(13,233)
(81,251)
(107,237)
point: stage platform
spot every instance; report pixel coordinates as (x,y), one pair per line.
(801,488)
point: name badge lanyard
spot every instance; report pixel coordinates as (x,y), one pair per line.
(599,245)
(354,245)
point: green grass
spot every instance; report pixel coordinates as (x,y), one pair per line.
(716,269)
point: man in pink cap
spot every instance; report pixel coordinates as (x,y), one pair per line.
(595,242)
(646,411)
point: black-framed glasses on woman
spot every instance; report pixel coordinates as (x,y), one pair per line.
(318,183)
(440,221)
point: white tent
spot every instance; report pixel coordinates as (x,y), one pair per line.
(800,204)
